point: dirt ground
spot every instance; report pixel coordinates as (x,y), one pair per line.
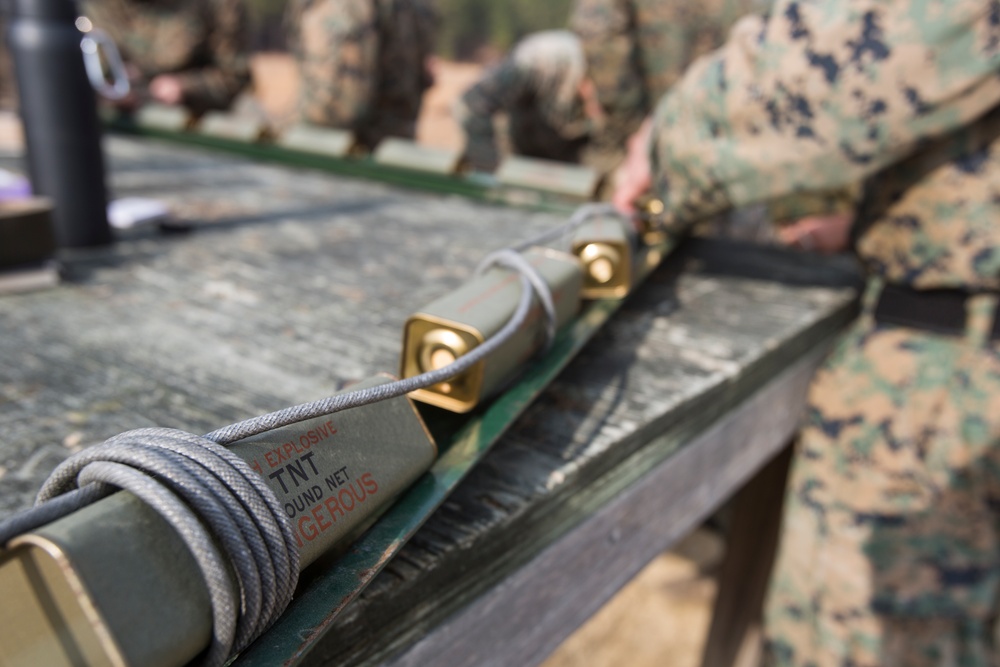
(660,619)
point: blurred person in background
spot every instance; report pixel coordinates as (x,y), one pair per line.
(543,90)
(364,64)
(890,548)
(177,52)
(637,49)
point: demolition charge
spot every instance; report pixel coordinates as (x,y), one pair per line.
(455,324)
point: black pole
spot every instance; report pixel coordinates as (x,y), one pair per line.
(59,112)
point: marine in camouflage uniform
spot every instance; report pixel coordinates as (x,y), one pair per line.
(637,49)
(537,87)
(890,552)
(363,63)
(202,42)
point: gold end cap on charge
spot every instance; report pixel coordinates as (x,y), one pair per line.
(602,262)
(654,207)
(440,348)
(607,268)
(42,591)
(430,344)
(463,320)
(650,226)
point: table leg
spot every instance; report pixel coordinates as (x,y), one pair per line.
(733,639)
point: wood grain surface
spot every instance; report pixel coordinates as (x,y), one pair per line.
(286,285)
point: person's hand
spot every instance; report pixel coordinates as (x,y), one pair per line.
(432,70)
(166,88)
(819,233)
(591,105)
(127,104)
(634,177)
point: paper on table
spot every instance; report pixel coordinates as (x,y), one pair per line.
(13,186)
(131,212)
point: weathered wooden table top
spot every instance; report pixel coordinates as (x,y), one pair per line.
(292,284)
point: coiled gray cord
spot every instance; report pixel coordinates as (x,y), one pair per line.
(211,496)
(223,511)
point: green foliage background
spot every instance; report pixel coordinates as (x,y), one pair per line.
(467,26)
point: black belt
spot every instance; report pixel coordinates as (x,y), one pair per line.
(941,311)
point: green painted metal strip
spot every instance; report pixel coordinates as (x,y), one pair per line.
(480,186)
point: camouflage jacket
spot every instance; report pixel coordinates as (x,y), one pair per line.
(637,49)
(201,41)
(363,63)
(825,94)
(537,86)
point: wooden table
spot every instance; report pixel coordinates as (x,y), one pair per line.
(291,284)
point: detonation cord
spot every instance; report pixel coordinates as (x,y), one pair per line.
(229,519)
(580,215)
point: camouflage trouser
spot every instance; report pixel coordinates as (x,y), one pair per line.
(533,136)
(890,552)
